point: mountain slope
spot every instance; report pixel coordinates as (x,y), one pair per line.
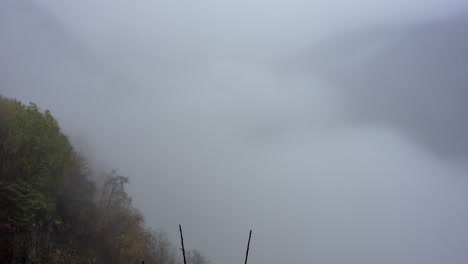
(413,78)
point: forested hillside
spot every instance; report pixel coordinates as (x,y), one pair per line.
(52,210)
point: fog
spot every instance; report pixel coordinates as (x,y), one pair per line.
(336,130)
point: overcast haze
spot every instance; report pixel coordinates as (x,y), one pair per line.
(336,130)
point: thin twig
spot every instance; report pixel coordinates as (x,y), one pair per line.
(248,246)
(182,242)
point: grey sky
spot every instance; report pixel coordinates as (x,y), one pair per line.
(281,117)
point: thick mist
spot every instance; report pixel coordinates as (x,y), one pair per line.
(301,120)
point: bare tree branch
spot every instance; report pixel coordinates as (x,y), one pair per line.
(182,242)
(248,246)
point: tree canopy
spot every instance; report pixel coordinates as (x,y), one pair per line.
(52,210)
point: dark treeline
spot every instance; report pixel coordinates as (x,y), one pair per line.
(53,211)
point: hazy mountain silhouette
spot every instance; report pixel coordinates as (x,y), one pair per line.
(38,52)
(415,78)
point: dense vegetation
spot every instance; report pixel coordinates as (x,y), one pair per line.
(52,210)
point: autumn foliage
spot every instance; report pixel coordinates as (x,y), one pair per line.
(52,210)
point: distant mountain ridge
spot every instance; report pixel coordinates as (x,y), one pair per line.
(37,49)
(415,78)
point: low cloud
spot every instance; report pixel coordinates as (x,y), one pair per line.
(198,103)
